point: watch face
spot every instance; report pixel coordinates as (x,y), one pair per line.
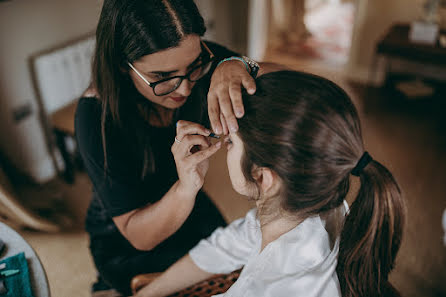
(254,67)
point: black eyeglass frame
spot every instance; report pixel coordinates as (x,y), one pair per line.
(181,77)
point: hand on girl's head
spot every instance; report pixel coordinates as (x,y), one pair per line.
(225,103)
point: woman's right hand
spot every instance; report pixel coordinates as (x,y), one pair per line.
(191,151)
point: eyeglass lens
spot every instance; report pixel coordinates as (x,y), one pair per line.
(168,86)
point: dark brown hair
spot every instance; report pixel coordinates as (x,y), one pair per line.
(128,30)
(306,129)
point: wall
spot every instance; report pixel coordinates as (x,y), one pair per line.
(26,28)
(226,22)
(373,19)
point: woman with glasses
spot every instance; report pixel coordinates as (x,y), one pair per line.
(146,159)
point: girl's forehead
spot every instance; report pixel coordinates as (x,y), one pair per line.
(172,59)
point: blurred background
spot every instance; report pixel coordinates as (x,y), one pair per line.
(395,76)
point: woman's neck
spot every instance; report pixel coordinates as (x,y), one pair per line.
(160,117)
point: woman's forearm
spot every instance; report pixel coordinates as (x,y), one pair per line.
(146,227)
(180,275)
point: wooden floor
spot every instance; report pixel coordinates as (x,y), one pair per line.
(406,136)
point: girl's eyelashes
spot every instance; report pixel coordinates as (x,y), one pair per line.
(227,140)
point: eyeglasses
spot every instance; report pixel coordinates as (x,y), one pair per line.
(170,84)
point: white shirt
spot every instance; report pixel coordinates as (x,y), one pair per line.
(301,262)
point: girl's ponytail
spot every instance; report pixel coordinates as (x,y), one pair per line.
(372,233)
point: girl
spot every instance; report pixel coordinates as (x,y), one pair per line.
(151,69)
(294,153)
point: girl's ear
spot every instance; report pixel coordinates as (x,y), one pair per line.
(267,180)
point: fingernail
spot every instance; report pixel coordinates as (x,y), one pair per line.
(239,113)
(217,130)
(251,91)
(207,132)
(218,144)
(233,128)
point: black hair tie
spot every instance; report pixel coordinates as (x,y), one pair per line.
(362,163)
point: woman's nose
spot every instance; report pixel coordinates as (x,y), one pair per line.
(185,88)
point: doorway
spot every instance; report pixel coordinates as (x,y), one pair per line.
(315,33)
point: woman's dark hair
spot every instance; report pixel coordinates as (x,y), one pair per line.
(128,30)
(306,129)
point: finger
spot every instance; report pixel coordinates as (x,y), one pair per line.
(189,141)
(227,111)
(204,154)
(184,128)
(235,92)
(224,125)
(249,84)
(214,113)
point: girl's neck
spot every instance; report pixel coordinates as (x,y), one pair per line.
(274,226)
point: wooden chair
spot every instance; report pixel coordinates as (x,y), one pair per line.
(215,285)
(62,123)
(219,284)
(11,209)
(60,75)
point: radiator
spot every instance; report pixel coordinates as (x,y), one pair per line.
(63,74)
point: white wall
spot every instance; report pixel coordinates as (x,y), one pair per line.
(226,22)
(373,19)
(27,28)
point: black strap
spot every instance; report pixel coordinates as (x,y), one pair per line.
(362,163)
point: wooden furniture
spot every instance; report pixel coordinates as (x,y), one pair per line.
(218,284)
(396,44)
(62,122)
(60,75)
(12,209)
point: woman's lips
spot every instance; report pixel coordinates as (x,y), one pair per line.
(178,99)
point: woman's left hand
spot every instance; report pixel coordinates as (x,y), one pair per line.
(225,95)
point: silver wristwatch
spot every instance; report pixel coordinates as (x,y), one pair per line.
(253,65)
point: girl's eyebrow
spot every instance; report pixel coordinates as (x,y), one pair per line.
(167,73)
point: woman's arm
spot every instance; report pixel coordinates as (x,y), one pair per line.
(148,226)
(226,250)
(180,275)
(119,188)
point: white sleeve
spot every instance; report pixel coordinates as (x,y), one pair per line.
(228,249)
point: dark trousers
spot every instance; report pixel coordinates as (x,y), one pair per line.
(117,261)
